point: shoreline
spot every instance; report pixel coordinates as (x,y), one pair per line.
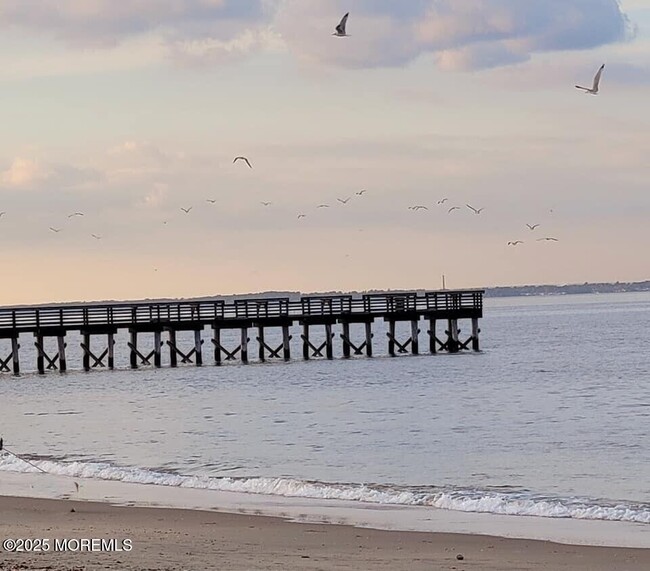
(165,539)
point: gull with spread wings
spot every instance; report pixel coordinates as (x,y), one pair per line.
(340,29)
(593,90)
(243,159)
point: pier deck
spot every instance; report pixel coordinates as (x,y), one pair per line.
(157,317)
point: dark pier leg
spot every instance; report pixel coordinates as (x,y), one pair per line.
(260,340)
(391,338)
(475,332)
(346,340)
(14,355)
(328,340)
(216,341)
(305,341)
(61,344)
(244,345)
(286,343)
(415,346)
(452,335)
(111,352)
(40,359)
(173,357)
(432,336)
(197,347)
(86,357)
(157,344)
(134,345)
(368,338)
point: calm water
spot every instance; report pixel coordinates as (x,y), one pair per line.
(551,418)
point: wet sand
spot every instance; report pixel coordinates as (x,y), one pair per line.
(165,539)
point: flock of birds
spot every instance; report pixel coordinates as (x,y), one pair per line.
(341,31)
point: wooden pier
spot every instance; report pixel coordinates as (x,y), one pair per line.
(317,316)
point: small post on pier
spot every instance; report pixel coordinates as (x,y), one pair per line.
(197,347)
(368,338)
(432,336)
(415,348)
(346,339)
(173,357)
(452,336)
(305,341)
(14,355)
(286,343)
(157,344)
(391,338)
(86,356)
(475,332)
(111,352)
(329,350)
(61,344)
(260,340)
(216,341)
(244,345)
(133,345)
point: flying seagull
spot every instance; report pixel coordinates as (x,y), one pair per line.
(55,229)
(548,239)
(476,211)
(323,206)
(75,214)
(243,159)
(342,201)
(418,207)
(443,201)
(186,210)
(265,203)
(301,216)
(532,227)
(2,213)
(453,208)
(515,242)
(593,90)
(210,200)
(340,29)
(96,236)
(361,192)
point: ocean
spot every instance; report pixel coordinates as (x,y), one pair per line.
(550,419)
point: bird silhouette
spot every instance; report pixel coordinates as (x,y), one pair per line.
(547,239)
(210,200)
(343,201)
(442,201)
(532,226)
(515,242)
(475,210)
(75,214)
(243,159)
(340,29)
(323,206)
(96,236)
(266,203)
(2,213)
(452,209)
(186,210)
(55,229)
(360,192)
(301,216)
(593,90)
(418,207)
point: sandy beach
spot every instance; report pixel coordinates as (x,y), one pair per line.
(165,539)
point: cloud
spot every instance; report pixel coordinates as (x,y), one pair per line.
(461,34)
(24,173)
(29,174)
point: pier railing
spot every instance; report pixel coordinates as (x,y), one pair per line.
(142,313)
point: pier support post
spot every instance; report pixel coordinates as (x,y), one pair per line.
(452,336)
(40,357)
(61,344)
(157,353)
(133,345)
(305,341)
(216,341)
(432,336)
(14,355)
(475,332)
(173,357)
(244,345)
(111,352)
(391,338)
(415,347)
(368,338)
(346,339)
(197,347)
(260,340)
(86,357)
(329,350)
(286,343)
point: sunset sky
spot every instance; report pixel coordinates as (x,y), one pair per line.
(130,111)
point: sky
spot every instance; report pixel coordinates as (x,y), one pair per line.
(129,111)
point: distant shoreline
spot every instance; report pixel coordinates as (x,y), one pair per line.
(569,289)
